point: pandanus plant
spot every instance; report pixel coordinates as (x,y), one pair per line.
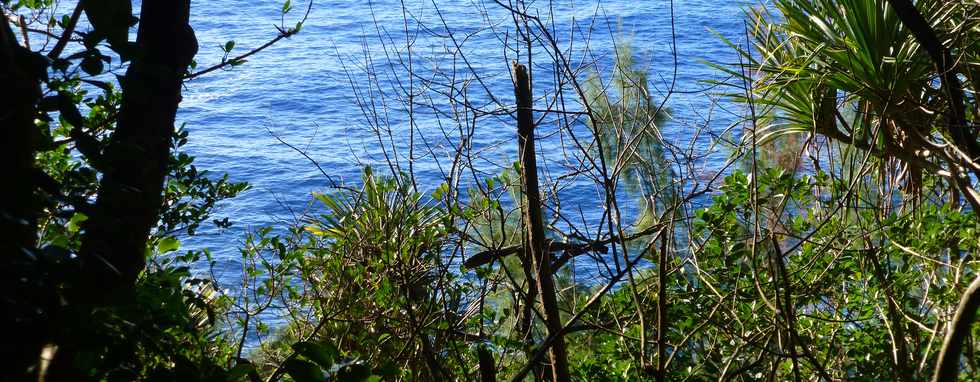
(895,79)
(854,71)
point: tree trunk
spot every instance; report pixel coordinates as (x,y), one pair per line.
(20,75)
(948,365)
(19,139)
(488,371)
(130,192)
(541,260)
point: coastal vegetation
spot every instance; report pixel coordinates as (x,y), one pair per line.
(830,233)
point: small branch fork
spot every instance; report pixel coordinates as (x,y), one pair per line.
(284,32)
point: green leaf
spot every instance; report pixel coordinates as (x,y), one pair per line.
(323,354)
(287,6)
(75,222)
(168,244)
(229,45)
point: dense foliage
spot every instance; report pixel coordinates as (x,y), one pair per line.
(834,243)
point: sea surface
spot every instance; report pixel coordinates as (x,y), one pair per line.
(302,90)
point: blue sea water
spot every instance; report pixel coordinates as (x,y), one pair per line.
(300,89)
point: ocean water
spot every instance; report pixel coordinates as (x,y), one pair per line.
(301,90)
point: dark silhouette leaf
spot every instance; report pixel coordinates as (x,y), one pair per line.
(111,19)
(303,371)
(92,65)
(323,354)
